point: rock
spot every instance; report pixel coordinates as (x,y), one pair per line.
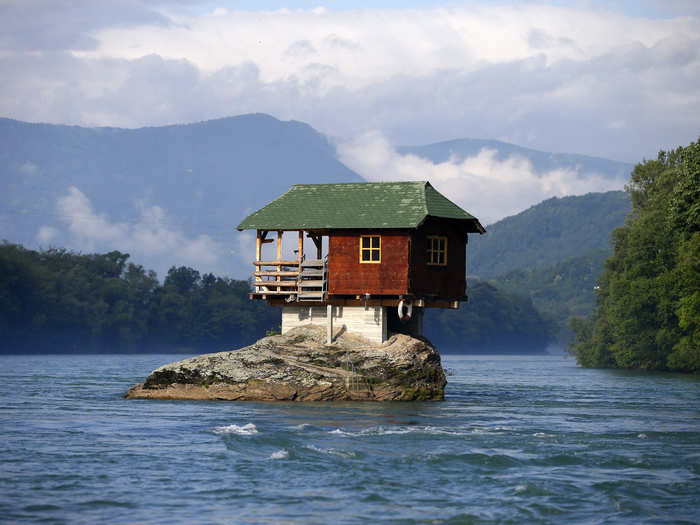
(298,366)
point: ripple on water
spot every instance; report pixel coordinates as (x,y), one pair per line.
(518,440)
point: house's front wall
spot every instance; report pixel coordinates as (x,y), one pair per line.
(348,276)
(445,281)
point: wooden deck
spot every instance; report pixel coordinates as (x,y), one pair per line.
(305,280)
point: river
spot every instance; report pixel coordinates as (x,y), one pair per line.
(518,439)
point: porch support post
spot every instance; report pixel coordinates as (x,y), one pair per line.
(279,256)
(258,251)
(301,258)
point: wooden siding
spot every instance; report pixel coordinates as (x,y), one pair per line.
(446,282)
(347,276)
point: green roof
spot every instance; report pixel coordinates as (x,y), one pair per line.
(357,205)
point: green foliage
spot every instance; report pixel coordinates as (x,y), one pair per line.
(648,307)
(273,331)
(56,300)
(494,320)
(549,233)
(561,291)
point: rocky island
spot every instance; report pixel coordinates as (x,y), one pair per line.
(299,366)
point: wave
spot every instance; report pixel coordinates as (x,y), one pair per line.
(332,451)
(432,430)
(280,454)
(245,430)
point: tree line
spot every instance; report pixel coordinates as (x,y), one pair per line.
(60,301)
(647,313)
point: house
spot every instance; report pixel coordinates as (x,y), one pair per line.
(384,251)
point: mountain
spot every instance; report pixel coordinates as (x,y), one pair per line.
(547,233)
(173,195)
(542,161)
(189,180)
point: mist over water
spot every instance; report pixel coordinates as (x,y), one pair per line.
(518,439)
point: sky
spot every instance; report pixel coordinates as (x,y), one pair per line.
(617,79)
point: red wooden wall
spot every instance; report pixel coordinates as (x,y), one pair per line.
(444,282)
(403,269)
(350,277)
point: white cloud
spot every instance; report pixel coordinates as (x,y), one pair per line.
(487,187)
(46,234)
(557,78)
(149,239)
(386,42)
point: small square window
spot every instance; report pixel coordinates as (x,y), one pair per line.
(370,249)
(437,250)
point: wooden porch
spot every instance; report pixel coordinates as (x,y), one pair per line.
(290,280)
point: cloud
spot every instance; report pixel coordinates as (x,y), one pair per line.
(51,25)
(486,186)
(148,239)
(46,234)
(565,79)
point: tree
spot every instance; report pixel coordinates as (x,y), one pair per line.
(647,313)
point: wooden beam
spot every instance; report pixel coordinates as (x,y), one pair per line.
(275,263)
(372,301)
(279,256)
(283,284)
(280,295)
(258,249)
(275,274)
(318,241)
(300,253)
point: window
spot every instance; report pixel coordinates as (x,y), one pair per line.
(437,250)
(370,249)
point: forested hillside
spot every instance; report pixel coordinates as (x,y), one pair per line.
(493,321)
(59,301)
(547,233)
(648,306)
(561,291)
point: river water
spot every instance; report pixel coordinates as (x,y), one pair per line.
(519,439)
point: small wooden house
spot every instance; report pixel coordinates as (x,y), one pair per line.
(384,243)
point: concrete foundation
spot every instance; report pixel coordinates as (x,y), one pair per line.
(376,323)
(370,322)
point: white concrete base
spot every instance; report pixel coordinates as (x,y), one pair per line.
(369,322)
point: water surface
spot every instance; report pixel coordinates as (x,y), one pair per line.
(518,439)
